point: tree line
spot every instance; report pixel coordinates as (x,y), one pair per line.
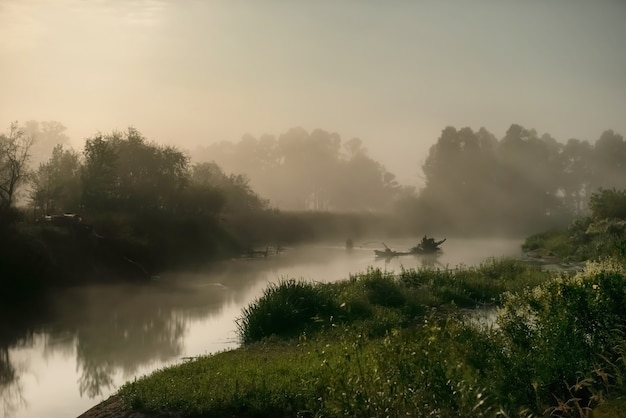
(474,182)
(521,183)
(125,207)
(120,171)
(301,170)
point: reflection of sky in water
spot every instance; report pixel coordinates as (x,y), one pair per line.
(122,332)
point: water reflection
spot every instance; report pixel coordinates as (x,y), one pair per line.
(10,390)
(15,330)
(64,354)
(109,330)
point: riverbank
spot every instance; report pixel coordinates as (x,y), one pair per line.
(398,354)
(114,407)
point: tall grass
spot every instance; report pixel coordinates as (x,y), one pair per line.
(557,349)
(287,309)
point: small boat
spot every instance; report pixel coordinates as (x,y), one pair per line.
(389,253)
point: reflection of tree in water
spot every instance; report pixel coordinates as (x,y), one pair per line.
(123,328)
(14,332)
(7,371)
(125,342)
(10,389)
(117,330)
(94,378)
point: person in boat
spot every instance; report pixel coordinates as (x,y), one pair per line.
(428,243)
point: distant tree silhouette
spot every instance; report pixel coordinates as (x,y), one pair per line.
(299,170)
(15,147)
(56,184)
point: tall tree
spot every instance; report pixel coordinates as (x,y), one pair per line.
(15,148)
(234,189)
(125,171)
(56,184)
(303,170)
(609,161)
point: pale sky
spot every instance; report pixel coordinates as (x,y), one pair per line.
(393,73)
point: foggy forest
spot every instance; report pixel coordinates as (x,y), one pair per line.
(296,186)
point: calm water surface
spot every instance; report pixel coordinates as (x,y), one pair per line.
(86,342)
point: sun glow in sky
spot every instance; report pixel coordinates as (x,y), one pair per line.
(391,73)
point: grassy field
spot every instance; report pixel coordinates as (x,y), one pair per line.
(388,345)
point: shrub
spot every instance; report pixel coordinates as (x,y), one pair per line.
(562,329)
(285,309)
(383,289)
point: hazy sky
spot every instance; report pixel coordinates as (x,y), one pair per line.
(391,73)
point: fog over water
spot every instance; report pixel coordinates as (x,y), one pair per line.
(193,73)
(92,339)
(355,118)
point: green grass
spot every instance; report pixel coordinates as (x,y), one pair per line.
(395,346)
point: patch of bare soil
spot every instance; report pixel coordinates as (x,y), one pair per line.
(114,407)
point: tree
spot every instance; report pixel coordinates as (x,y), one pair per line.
(607,204)
(307,171)
(14,158)
(56,185)
(609,161)
(476,183)
(208,178)
(463,185)
(123,171)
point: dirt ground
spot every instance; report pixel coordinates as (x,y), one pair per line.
(115,408)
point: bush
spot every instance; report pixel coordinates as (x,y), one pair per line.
(608,204)
(383,289)
(286,309)
(560,330)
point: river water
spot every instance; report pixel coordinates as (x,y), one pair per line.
(84,343)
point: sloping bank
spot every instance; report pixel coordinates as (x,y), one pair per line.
(384,345)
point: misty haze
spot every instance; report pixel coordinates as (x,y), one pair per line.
(211,209)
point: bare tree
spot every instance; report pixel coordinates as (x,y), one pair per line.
(14,157)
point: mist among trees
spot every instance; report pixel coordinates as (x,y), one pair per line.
(475,183)
(298,170)
(521,183)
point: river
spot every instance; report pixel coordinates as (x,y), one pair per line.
(83,343)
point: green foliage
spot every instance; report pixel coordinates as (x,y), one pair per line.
(606,204)
(286,309)
(552,242)
(588,238)
(234,189)
(383,289)
(557,333)
(123,171)
(558,350)
(387,298)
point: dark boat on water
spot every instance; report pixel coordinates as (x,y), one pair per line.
(389,253)
(427,246)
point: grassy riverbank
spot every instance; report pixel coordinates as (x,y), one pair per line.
(389,345)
